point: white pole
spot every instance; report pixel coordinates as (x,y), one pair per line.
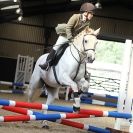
(129,98)
(124,79)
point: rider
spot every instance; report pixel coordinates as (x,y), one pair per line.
(68,31)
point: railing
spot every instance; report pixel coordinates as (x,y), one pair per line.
(105,84)
(105,78)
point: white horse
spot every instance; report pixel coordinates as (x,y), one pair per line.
(70,69)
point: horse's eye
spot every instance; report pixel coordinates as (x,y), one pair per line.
(85,41)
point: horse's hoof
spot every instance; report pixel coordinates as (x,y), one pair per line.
(80,92)
(76,109)
(43,94)
(45,127)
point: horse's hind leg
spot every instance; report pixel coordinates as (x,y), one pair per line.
(33,85)
(69,82)
(50,99)
(52,94)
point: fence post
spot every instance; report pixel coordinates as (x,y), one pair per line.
(124,84)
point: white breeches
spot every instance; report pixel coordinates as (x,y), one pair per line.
(60,41)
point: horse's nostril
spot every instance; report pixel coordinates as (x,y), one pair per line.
(90,60)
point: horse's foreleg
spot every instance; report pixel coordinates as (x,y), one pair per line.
(83,85)
(76,106)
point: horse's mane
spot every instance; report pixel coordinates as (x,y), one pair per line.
(87,30)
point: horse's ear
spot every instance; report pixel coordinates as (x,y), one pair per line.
(96,32)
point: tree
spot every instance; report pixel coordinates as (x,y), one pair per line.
(109,52)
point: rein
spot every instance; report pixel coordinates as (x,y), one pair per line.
(79,52)
(78,61)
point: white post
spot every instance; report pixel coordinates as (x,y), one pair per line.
(129,98)
(124,79)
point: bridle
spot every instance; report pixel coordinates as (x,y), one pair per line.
(81,61)
(79,52)
(84,43)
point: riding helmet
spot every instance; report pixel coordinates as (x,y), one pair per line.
(87,7)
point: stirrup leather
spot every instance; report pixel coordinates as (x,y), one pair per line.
(48,66)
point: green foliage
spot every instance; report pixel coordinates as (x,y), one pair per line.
(109,52)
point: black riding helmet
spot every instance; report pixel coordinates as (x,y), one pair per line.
(87,7)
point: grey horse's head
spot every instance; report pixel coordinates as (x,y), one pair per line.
(87,41)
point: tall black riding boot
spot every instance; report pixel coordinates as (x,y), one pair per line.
(49,59)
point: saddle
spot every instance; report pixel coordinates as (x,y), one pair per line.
(59,54)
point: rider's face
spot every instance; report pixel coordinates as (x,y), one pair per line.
(87,15)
